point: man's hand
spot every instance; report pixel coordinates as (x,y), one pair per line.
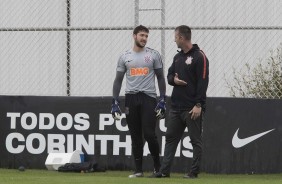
(195,112)
(179,82)
(160,108)
(116,112)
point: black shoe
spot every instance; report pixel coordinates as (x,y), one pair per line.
(156,170)
(191,176)
(159,175)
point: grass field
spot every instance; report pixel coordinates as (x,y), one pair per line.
(12,176)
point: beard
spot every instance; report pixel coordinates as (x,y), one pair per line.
(138,44)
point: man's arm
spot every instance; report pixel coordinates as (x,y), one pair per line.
(160,108)
(116,112)
(171,74)
(117,84)
(161,81)
(202,72)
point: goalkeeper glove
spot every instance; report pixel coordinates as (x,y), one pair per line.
(116,112)
(160,108)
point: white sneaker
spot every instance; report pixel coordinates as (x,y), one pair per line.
(136,175)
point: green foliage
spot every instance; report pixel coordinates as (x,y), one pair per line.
(264,80)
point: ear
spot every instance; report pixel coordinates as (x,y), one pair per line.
(134,36)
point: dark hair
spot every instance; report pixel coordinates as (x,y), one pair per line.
(139,29)
(184,31)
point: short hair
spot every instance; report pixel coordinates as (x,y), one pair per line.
(139,29)
(184,31)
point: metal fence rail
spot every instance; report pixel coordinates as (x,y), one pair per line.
(71,47)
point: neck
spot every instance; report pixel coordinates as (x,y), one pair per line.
(186,47)
(137,49)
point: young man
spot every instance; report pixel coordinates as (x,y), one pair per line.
(141,64)
(189,74)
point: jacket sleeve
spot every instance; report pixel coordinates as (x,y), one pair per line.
(171,74)
(202,72)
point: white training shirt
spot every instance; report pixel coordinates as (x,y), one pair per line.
(139,68)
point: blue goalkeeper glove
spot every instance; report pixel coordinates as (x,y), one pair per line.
(116,112)
(160,108)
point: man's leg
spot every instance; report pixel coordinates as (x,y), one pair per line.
(175,128)
(149,120)
(134,125)
(195,134)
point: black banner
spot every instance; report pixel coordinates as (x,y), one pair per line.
(255,148)
(240,135)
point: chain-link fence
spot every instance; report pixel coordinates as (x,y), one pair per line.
(71,47)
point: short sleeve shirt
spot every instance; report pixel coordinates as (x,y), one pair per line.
(139,68)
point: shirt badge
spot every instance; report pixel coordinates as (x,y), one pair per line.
(188,60)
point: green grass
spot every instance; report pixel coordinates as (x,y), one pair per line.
(12,176)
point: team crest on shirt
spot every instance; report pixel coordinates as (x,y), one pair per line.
(147,59)
(188,60)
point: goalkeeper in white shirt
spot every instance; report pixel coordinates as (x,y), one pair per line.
(141,65)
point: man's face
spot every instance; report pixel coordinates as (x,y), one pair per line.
(177,39)
(140,39)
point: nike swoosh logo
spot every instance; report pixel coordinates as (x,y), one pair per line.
(237,142)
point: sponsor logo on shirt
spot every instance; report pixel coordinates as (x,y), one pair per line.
(139,71)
